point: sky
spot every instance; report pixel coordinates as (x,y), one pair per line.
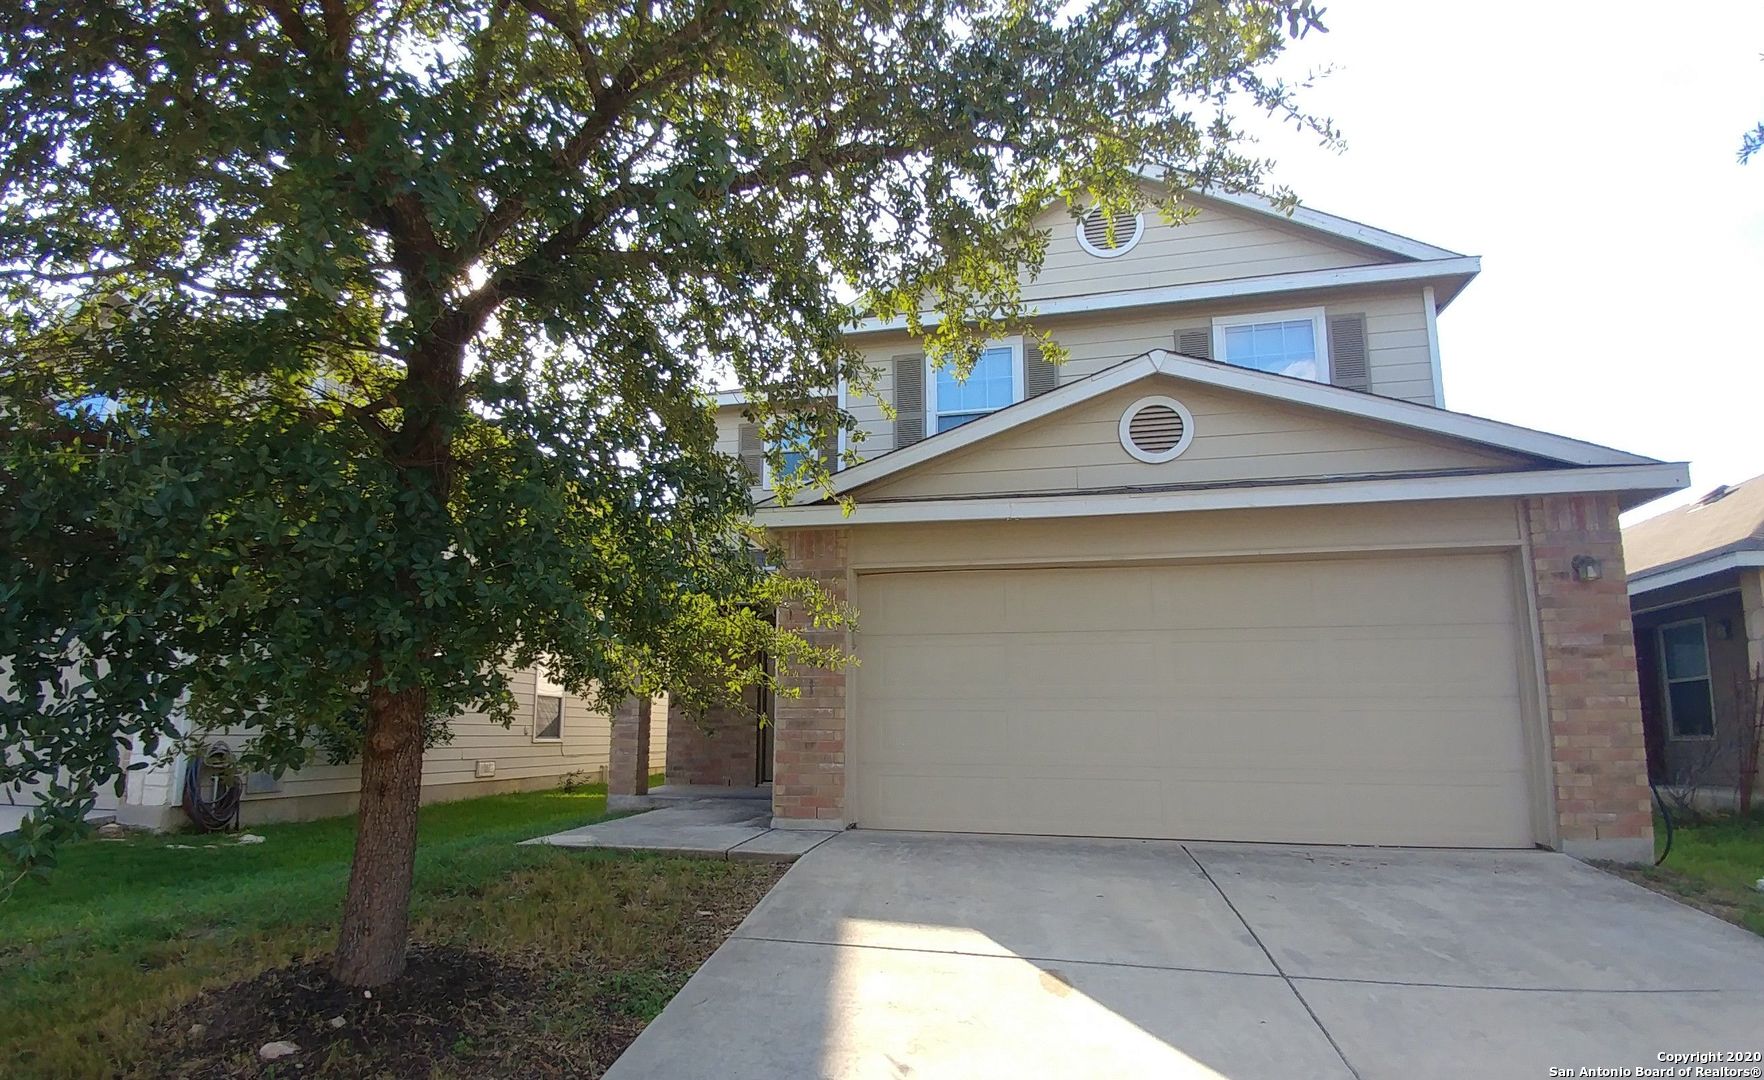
(1587,152)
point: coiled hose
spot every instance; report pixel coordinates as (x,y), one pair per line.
(1665,815)
(212,791)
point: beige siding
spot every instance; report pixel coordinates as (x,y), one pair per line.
(1396,330)
(729,423)
(1350,700)
(658,734)
(1216,244)
(1237,437)
(1451,524)
(1397,356)
(586,738)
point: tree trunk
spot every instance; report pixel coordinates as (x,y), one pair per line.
(376,911)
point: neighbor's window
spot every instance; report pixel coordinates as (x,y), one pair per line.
(548,717)
(1282,342)
(994,382)
(1684,660)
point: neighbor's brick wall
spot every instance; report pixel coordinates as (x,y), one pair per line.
(628,757)
(719,748)
(1598,750)
(808,765)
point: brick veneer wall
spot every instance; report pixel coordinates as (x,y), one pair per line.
(808,765)
(720,748)
(1598,751)
(628,756)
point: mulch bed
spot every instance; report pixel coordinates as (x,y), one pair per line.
(455,1012)
(406,1028)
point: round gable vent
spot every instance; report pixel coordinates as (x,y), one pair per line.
(1156,429)
(1109,238)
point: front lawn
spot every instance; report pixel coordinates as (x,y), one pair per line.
(1715,866)
(534,960)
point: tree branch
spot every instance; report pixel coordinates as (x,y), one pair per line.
(339,28)
(415,247)
(519,279)
(612,100)
(293,26)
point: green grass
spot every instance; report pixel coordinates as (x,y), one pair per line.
(127,930)
(1714,865)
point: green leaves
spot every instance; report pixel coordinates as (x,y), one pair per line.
(403,316)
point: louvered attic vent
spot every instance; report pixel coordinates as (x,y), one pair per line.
(1109,238)
(1156,429)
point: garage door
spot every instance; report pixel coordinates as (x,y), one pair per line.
(1326,701)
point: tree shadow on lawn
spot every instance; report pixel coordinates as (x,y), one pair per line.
(548,974)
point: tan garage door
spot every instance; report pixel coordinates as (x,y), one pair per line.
(1328,701)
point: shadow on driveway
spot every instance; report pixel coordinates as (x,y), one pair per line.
(896,954)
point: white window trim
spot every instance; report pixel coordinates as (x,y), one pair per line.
(543,686)
(1014,343)
(1114,252)
(1223,322)
(839,455)
(1666,680)
(1171,454)
(548,740)
(1430,311)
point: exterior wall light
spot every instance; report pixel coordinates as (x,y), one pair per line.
(1586,568)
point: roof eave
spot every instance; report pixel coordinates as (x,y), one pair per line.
(1628,481)
(1707,564)
(1449,276)
(1405,414)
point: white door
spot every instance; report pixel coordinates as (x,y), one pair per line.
(1356,700)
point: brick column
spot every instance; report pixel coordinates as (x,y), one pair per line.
(1598,752)
(628,758)
(808,768)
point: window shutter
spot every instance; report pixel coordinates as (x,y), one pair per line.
(1039,376)
(830,450)
(1347,352)
(909,399)
(1195,342)
(753,452)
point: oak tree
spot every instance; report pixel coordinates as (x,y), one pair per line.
(353,351)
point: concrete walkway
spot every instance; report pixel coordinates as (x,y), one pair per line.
(914,955)
(715,828)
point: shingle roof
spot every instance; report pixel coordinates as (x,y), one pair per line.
(1726,519)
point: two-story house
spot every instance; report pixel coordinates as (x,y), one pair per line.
(1233,571)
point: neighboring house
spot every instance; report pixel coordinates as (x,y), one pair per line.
(1696,587)
(1232,572)
(554,734)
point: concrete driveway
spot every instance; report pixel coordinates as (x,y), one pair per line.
(913,955)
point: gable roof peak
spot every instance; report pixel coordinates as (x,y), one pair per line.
(1316,220)
(1303,392)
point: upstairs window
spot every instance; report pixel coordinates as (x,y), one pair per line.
(1690,696)
(1288,343)
(796,446)
(996,380)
